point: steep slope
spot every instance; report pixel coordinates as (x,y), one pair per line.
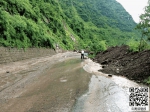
(105,13)
(100,23)
(31,23)
(88,24)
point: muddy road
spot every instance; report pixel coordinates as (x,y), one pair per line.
(61,83)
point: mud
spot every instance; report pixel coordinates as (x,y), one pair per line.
(120,61)
(61,83)
(48,84)
(105,94)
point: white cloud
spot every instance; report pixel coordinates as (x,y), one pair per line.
(134,7)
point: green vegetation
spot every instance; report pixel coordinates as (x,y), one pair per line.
(72,24)
(147,81)
(144,28)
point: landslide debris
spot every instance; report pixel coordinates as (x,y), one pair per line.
(120,60)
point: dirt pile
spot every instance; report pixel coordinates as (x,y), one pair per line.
(120,61)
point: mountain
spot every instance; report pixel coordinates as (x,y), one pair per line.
(71,24)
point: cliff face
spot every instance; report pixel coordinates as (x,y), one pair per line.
(92,24)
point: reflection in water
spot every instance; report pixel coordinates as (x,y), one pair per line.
(65,84)
(62,84)
(105,94)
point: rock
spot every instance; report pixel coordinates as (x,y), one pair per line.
(109,75)
(7,72)
(103,66)
(104,62)
(117,70)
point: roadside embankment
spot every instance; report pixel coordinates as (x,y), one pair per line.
(120,61)
(8,55)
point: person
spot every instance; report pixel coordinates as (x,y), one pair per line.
(82,54)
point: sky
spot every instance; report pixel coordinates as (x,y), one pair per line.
(134,7)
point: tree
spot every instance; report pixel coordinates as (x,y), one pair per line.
(144,25)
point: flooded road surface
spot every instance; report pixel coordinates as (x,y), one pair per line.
(61,83)
(105,94)
(47,84)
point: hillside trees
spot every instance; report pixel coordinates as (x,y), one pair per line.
(92,24)
(26,25)
(144,27)
(19,31)
(103,20)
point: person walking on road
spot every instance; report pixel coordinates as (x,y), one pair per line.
(82,54)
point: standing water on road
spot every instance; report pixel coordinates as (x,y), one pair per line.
(105,94)
(61,83)
(50,84)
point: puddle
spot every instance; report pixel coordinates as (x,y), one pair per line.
(60,86)
(66,85)
(105,94)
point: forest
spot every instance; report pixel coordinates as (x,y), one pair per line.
(94,25)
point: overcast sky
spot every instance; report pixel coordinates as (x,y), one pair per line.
(134,7)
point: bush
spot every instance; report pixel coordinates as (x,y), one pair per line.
(98,46)
(134,45)
(147,81)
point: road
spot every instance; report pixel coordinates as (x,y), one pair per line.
(61,83)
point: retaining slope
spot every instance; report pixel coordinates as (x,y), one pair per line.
(14,54)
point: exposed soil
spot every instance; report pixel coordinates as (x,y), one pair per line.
(120,61)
